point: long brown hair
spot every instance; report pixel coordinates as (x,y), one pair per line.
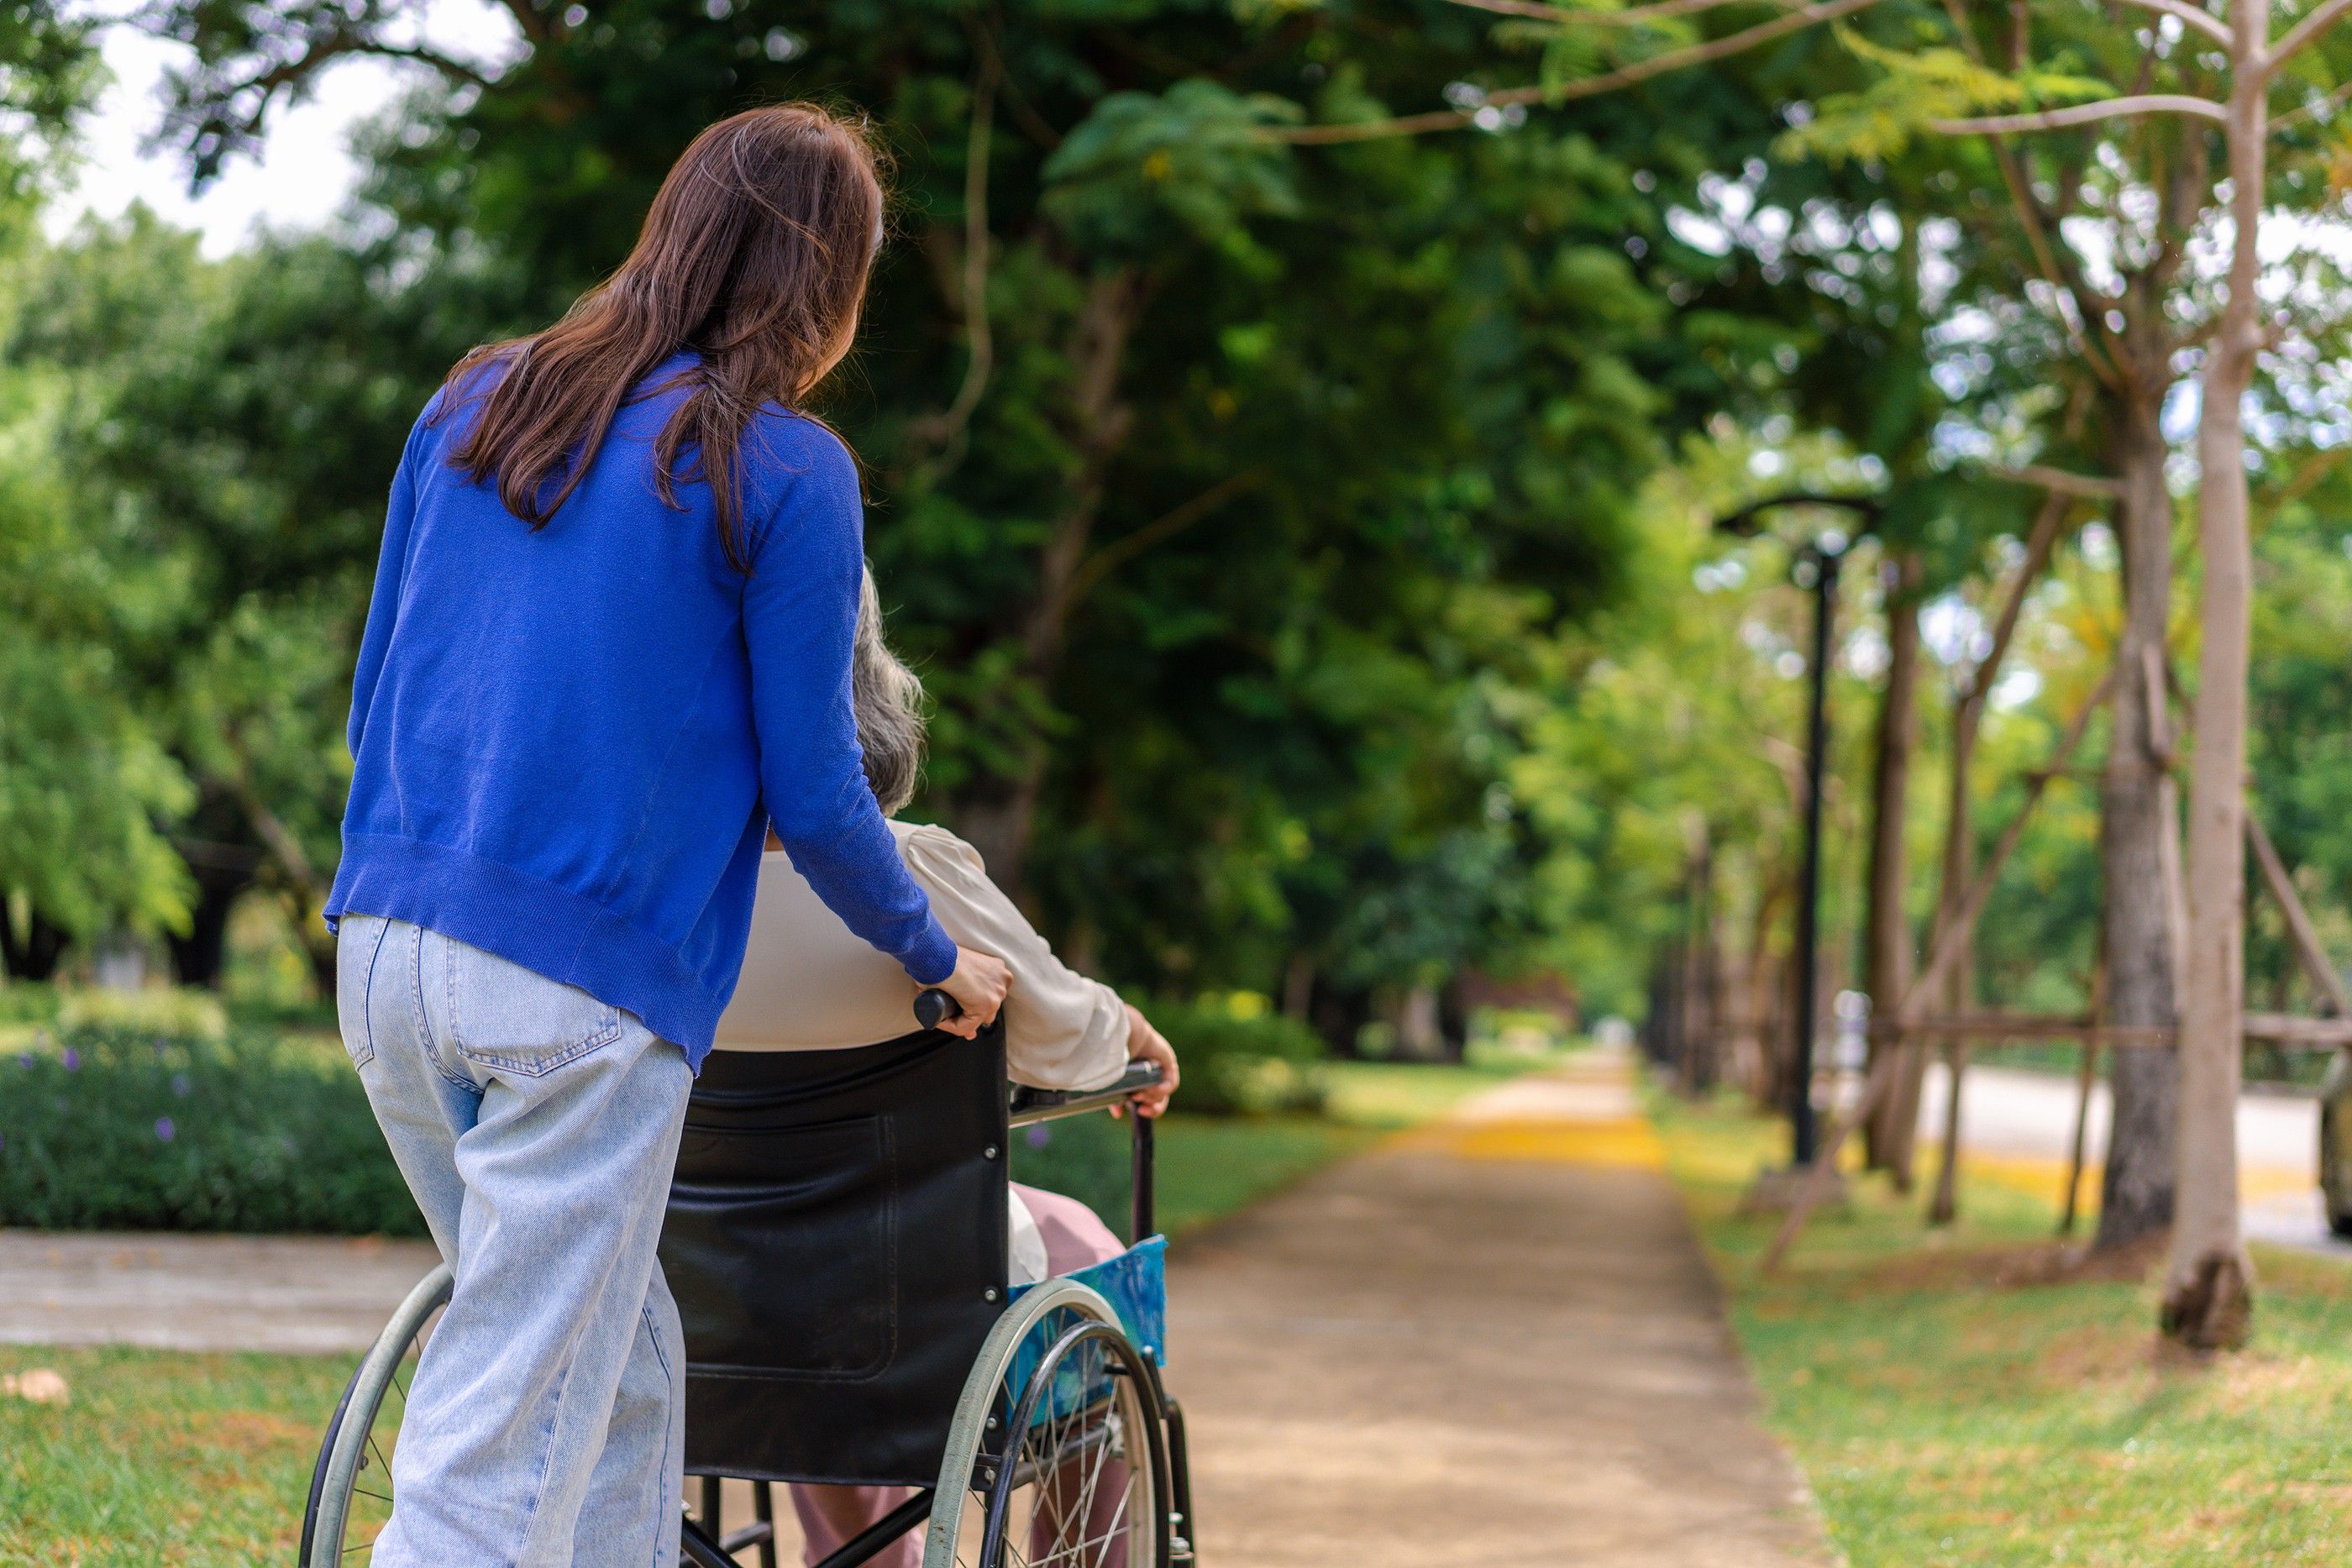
(754,255)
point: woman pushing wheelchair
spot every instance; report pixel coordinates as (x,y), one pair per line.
(609,649)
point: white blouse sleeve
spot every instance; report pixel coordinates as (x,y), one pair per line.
(1062,1030)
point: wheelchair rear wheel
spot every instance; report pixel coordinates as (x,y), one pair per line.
(350,1485)
(1083,1481)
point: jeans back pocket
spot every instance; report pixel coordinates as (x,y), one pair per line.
(515,1019)
(359,943)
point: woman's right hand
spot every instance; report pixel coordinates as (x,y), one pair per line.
(977,985)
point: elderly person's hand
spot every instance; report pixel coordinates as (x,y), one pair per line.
(1145,1043)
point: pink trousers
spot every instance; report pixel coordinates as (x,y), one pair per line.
(831,1516)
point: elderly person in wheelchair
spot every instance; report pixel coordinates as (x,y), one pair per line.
(944,1368)
(809,984)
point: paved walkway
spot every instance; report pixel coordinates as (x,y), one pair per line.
(1489,1344)
(1492,1344)
(203,1292)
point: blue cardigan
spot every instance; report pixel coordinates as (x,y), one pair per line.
(568,746)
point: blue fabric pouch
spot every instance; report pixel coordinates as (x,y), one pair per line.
(1135,1284)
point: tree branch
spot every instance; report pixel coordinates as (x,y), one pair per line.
(947,430)
(2088,329)
(1169,524)
(2039,545)
(1565,92)
(447,65)
(1631,16)
(2205,22)
(2334,100)
(2088,114)
(2091,486)
(2301,36)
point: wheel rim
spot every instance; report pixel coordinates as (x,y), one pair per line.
(352,1491)
(1082,1486)
(369,1506)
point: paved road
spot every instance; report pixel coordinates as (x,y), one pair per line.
(2018,1125)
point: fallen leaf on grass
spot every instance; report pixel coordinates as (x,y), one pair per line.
(38,1387)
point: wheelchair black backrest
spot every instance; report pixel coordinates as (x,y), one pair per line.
(836,1244)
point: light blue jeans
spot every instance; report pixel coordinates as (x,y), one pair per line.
(538,1128)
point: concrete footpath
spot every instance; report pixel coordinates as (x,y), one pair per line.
(1492,1343)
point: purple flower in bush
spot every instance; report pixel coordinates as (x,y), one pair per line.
(25,1061)
(1040,1135)
(180,1085)
(72,1059)
(164,1131)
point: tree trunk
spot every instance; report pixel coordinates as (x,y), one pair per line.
(1453,1022)
(998,813)
(1697,1067)
(1414,1019)
(1960,856)
(1339,1017)
(2138,823)
(2208,1299)
(1886,936)
(1297,987)
(1737,1053)
(221,873)
(1763,997)
(34,953)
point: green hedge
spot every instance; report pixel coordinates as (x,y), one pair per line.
(27,1001)
(111,1129)
(169,1123)
(1239,1056)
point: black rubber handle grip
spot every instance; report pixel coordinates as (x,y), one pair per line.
(934,1007)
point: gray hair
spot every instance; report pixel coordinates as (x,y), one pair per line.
(887,698)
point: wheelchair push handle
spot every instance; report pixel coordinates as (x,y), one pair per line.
(934,1007)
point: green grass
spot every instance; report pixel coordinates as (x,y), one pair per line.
(1394,1095)
(1210,1167)
(1949,1412)
(193,1461)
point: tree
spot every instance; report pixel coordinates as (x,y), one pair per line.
(214,428)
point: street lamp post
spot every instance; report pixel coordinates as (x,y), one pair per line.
(1815,567)
(1823,563)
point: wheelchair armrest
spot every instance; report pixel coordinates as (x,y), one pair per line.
(1033,1105)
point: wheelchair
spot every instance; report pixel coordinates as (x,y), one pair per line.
(837,1242)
